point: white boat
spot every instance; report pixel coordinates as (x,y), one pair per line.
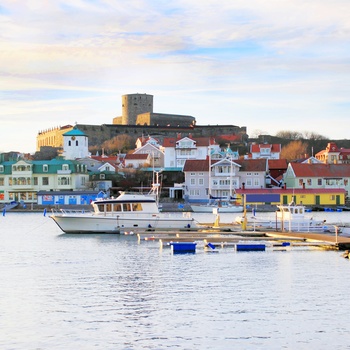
(127,212)
(290,217)
(217,207)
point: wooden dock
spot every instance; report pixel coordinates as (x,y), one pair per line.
(227,238)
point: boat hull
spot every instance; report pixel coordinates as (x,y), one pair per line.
(119,224)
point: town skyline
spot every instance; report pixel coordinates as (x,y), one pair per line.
(268,66)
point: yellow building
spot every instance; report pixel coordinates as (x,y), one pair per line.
(52,137)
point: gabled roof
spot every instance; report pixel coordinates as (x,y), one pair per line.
(317,170)
(196,165)
(252,164)
(274,147)
(136,156)
(277,164)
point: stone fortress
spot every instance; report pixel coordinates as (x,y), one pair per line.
(137,109)
(138,119)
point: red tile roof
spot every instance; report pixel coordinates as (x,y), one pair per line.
(290,191)
(196,165)
(317,170)
(252,164)
(275,147)
(278,164)
(136,156)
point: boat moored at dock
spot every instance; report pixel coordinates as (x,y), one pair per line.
(127,212)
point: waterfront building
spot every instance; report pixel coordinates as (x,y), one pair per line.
(318,176)
(223,177)
(20,180)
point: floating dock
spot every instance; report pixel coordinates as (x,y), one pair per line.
(219,238)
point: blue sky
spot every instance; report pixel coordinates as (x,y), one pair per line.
(269,65)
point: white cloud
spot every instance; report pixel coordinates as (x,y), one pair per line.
(251,58)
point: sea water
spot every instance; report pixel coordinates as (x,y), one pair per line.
(64,291)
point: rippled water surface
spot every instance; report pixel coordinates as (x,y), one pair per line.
(60,291)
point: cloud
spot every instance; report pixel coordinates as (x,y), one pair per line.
(249,57)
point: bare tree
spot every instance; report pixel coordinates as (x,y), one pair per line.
(289,135)
(294,150)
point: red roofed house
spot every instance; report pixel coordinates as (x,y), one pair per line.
(151,147)
(178,150)
(334,155)
(226,176)
(135,160)
(318,176)
(269,151)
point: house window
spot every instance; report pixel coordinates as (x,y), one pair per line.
(309,182)
(200,174)
(319,182)
(193,174)
(249,174)
(249,182)
(194,193)
(35,181)
(256,182)
(65,167)
(2,181)
(301,181)
(45,181)
(102,176)
(193,182)
(63,181)
(200,181)
(45,168)
(1,168)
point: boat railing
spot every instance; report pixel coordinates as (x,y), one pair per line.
(66,211)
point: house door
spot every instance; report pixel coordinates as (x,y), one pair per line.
(285,200)
(317,200)
(337,199)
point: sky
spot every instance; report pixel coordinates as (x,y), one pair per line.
(268,65)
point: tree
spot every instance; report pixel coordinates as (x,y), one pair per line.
(294,150)
(290,135)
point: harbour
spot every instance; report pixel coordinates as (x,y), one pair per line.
(109,291)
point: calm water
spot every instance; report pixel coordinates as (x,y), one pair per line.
(62,291)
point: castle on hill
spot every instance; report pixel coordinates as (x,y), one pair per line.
(138,119)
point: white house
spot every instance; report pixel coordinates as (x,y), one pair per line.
(265,150)
(226,175)
(178,150)
(156,155)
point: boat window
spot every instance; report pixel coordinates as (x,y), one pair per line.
(108,207)
(117,207)
(101,208)
(137,207)
(126,207)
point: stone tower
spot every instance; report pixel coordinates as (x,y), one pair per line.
(134,104)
